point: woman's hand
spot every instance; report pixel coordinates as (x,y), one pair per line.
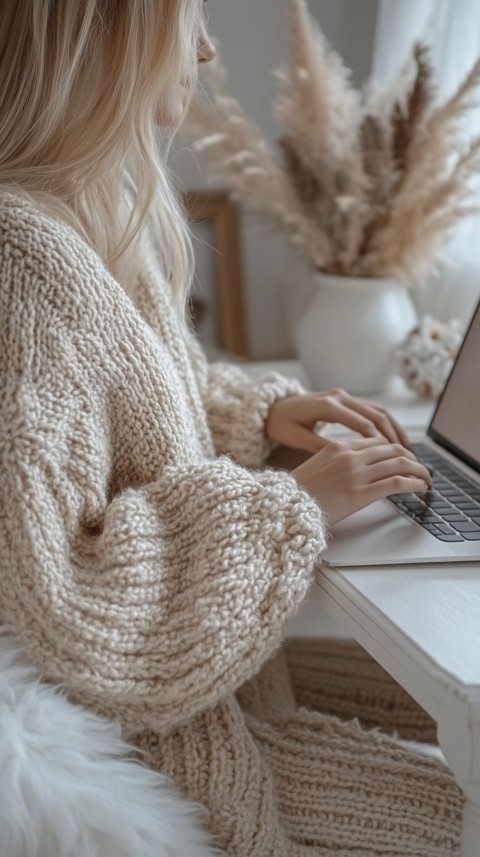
(345,476)
(291,421)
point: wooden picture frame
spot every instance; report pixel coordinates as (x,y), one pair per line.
(215,207)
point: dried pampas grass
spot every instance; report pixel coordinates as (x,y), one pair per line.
(362,186)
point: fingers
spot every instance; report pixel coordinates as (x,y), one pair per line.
(380,459)
(336,411)
(383,423)
(382,450)
(399,466)
(375,448)
(332,448)
(401,433)
(368,419)
(292,420)
(396,484)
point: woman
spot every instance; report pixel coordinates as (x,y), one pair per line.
(147,562)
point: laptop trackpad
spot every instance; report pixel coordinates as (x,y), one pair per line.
(380,535)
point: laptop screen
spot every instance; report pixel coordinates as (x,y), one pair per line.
(456,421)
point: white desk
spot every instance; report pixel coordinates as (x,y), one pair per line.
(422,624)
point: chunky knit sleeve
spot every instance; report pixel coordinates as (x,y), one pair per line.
(147,577)
(176,596)
(237,406)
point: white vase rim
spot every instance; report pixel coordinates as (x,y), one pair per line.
(343,280)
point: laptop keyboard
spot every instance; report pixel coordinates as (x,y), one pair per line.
(451,511)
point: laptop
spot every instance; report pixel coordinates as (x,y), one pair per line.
(443,525)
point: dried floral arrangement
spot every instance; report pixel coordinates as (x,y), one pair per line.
(363,185)
(426,357)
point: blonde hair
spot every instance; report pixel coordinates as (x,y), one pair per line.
(80,83)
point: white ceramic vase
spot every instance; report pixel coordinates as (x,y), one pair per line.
(349,330)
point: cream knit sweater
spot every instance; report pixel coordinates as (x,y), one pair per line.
(149,565)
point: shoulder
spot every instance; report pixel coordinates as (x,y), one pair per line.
(35,245)
(55,294)
(48,271)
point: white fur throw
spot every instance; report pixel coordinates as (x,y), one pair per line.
(67,786)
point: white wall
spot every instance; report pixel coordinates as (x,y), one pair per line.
(252,36)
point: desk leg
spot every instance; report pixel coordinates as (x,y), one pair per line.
(459,738)
(471,830)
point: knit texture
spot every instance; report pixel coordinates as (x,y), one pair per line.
(339,679)
(149,566)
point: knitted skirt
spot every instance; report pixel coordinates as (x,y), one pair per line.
(314,758)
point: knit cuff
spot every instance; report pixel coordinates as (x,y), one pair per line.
(248,440)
